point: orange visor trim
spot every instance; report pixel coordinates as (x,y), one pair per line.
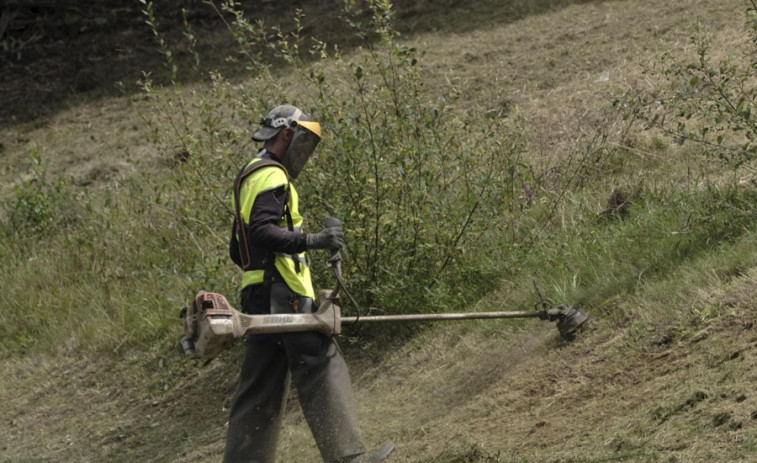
(312,126)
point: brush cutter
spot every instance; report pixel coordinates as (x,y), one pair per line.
(211,324)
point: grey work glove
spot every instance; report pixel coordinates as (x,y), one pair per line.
(328,238)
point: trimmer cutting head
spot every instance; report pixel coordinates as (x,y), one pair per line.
(570,320)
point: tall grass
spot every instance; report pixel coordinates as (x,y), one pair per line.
(111,277)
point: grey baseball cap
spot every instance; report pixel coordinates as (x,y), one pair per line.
(279,117)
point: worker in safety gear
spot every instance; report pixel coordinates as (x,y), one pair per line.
(267,242)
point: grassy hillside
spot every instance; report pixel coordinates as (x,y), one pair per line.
(108,230)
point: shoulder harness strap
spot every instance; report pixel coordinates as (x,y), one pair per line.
(244,248)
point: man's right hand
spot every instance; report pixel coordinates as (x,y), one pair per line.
(328,238)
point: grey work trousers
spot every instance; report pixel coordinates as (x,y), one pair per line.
(323,386)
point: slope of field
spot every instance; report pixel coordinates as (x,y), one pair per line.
(640,387)
(452,395)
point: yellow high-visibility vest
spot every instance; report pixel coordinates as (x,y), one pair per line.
(263,179)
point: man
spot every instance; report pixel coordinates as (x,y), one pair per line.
(267,243)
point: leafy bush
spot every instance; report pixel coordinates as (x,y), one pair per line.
(421,188)
(708,102)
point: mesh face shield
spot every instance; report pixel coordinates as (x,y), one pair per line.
(307,134)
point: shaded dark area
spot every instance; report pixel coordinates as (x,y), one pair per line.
(53,51)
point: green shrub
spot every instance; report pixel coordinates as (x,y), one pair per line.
(707,102)
(421,189)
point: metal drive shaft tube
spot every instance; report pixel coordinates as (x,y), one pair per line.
(447,316)
(568,319)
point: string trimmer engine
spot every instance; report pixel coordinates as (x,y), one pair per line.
(209,325)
